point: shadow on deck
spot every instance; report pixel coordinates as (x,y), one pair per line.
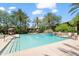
(69,52)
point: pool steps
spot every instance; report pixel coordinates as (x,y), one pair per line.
(12,47)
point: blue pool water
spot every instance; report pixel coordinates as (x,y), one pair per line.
(27,41)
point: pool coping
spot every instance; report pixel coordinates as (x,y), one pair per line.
(36,48)
(46,49)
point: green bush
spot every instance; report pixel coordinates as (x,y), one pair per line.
(41,28)
(72,29)
(65,28)
(21,30)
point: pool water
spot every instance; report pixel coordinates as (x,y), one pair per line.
(27,41)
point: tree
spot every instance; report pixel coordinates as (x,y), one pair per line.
(42,26)
(65,28)
(75,9)
(4,20)
(37,22)
(13,20)
(22,18)
(73,22)
(51,20)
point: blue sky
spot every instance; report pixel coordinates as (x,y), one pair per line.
(37,9)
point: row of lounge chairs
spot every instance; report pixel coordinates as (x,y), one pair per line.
(70,52)
(2,37)
(67,35)
(74,51)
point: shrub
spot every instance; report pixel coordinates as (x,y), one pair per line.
(41,28)
(65,28)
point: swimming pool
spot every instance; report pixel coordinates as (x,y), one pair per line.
(27,41)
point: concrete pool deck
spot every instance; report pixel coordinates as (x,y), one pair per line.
(67,47)
(4,42)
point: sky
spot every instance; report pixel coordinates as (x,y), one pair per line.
(40,9)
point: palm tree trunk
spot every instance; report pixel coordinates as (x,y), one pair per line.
(20,23)
(78,27)
(25,26)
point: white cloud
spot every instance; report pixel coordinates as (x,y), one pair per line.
(9,11)
(54,10)
(41,17)
(37,12)
(2,8)
(12,8)
(50,5)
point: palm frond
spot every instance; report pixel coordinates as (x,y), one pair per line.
(75,4)
(75,11)
(72,9)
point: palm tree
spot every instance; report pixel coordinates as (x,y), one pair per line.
(48,19)
(13,20)
(75,9)
(26,24)
(37,22)
(51,20)
(22,17)
(4,19)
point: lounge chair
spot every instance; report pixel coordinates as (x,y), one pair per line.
(1,36)
(70,35)
(63,50)
(77,54)
(74,36)
(71,46)
(70,52)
